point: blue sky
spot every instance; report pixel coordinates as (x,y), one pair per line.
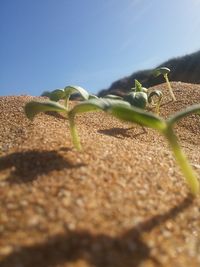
(49,44)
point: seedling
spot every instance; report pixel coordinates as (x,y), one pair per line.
(154,99)
(65,94)
(139,97)
(125,112)
(34,107)
(90,106)
(139,88)
(164,71)
(165,127)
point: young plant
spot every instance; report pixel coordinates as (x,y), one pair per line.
(126,112)
(154,99)
(139,97)
(92,104)
(34,107)
(164,71)
(165,127)
(138,87)
(65,94)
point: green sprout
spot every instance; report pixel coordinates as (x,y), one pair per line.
(165,127)
(155,98)
(139,88)
(124,111)
(164,71)
(34,107)
(141,98)
(65,94)
(90,105)
(138,96)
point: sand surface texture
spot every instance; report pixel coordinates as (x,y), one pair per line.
(120,202)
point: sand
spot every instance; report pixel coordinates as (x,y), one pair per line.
(120,202)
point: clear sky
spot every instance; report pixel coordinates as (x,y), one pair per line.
(49,44)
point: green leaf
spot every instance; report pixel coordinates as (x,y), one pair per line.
(136,115)
(115,102)
(88,105)
(159,71)
(110,96)
(46,93)
(137,99)
(138,86)
(155,93)
(69,90)
(65,93)
(194,109)
(95,105)
(57,94)
(91,96)
(34,107)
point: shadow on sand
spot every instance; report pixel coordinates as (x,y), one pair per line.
(121,132)
(100,250)
(28,165)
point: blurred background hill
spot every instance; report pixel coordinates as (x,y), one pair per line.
(184,69)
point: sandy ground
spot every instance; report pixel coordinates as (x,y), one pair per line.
(120,202)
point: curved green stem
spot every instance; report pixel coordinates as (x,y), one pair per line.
(169,86)
(74,133)
(157,109)
(66,102)
(181,159)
